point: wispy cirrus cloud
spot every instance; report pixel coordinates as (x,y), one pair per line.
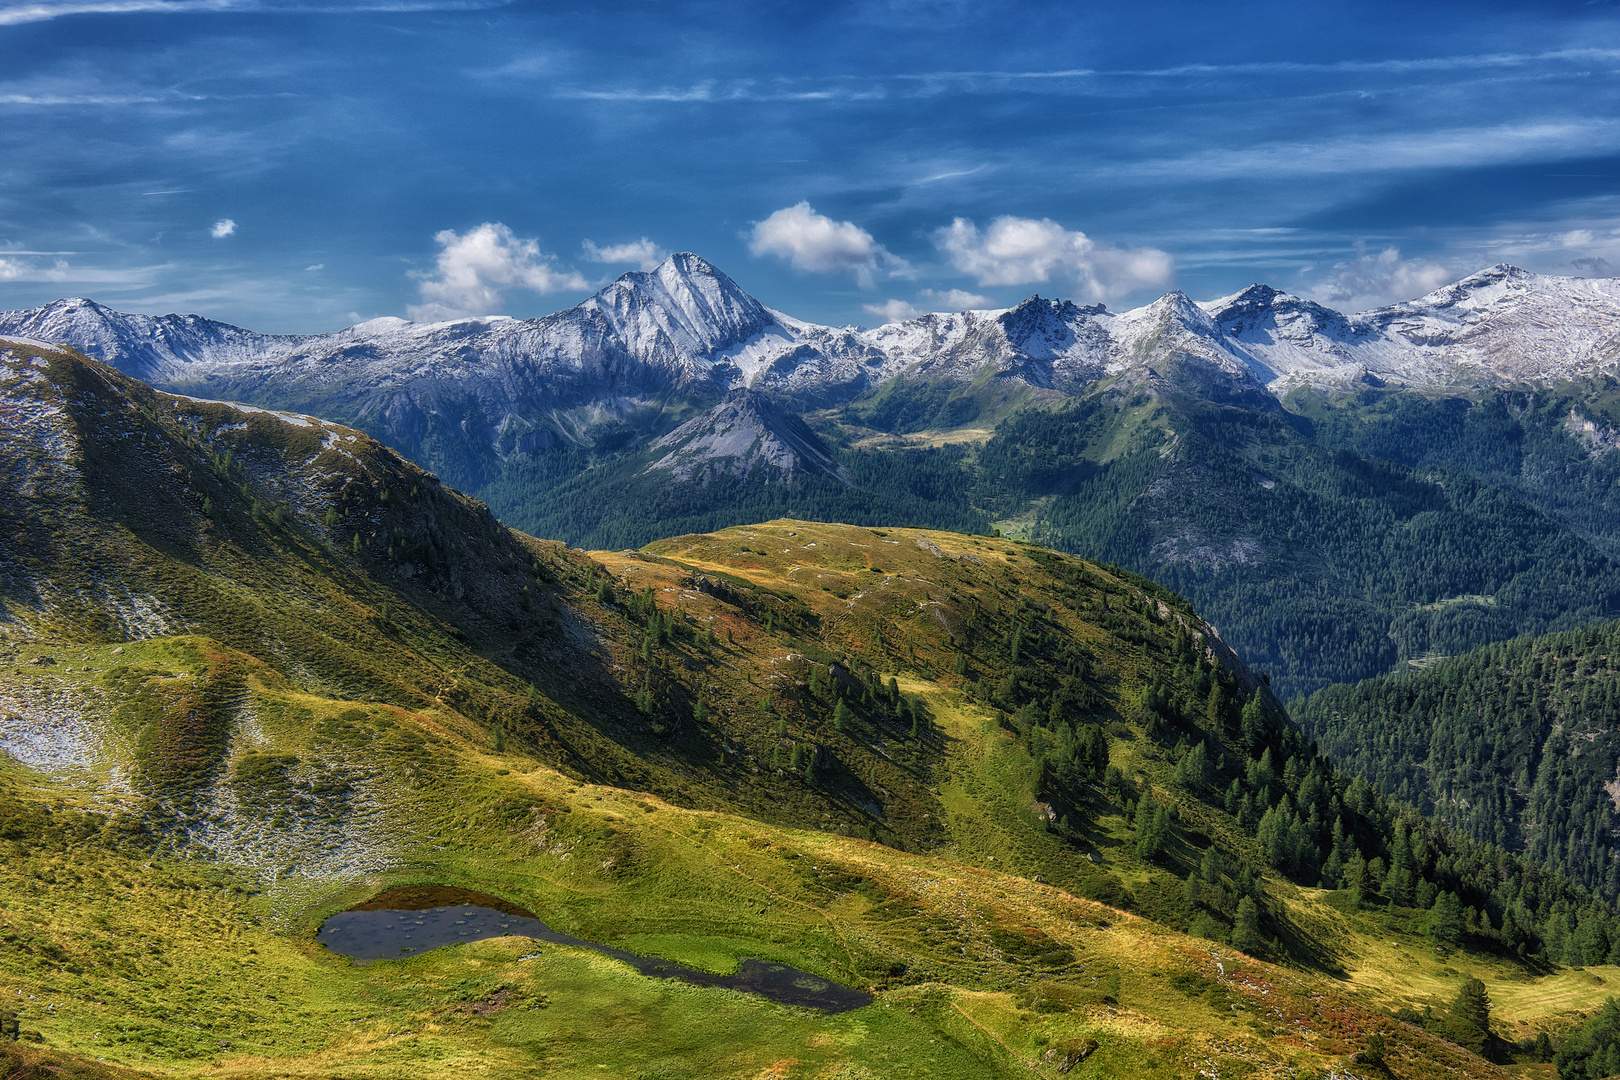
(1456,147)
(1104,82)
(45,10)
(20,267)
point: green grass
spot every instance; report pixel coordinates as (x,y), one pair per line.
(319,725)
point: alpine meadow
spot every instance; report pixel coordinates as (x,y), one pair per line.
(962,644)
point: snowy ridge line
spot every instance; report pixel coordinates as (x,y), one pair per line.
(686,324)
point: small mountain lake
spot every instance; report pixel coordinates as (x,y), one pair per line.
(407,921)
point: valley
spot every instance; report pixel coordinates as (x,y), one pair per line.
(258,668)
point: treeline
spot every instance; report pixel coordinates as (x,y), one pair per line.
(1516,744)
(1236,753)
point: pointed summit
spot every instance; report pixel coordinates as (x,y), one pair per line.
(1261,315)
(687,300)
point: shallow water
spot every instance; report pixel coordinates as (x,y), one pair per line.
(392,933)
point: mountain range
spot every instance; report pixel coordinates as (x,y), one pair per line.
(1414,480)
(688,326)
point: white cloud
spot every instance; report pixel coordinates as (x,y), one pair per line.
(935,299)
(317,266)
(59,270)
(892,311)
(1450,148)
(644,253)
(956,299)
(1382,278)
(1019,251)
(815,242)
(222,228)
(43,10)
(18,270)
(474,266)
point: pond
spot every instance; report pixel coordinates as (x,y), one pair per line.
(406,921)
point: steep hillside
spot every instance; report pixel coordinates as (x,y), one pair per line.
(1517,743)
(257,668)
(1552,446)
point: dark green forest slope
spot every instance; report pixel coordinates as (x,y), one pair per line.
(1515,743)
(1553,446)
(1320,565)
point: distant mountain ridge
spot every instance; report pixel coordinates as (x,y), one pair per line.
(1295,471)
(464,395)
(687,323)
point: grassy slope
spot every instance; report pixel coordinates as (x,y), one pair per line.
(325,729)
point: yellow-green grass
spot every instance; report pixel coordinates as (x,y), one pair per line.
(170,965)
(964,951)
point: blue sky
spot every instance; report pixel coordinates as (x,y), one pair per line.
(296,166)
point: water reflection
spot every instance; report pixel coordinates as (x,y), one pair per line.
(378,931)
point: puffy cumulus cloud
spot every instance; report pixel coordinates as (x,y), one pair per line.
(643,253)
(892,311)
(1370,279)
(222,228)
(955,299)
(815,242)
(475,265)
(1020,251)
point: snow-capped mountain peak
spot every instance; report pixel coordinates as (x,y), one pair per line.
(685,300)
(687,327)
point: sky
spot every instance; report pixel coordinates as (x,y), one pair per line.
(300,165)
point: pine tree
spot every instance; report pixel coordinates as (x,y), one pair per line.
(840,715)
(1253,724)
(1246,927)
(1152,827)
(1192,890)
(1215,707)
(1445,923)
(1472,1007)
